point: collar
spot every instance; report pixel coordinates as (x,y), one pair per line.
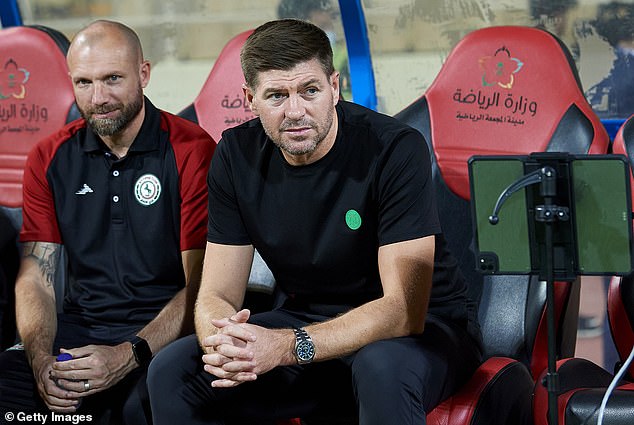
(147,139)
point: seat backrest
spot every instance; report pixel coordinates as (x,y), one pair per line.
(36,98)
(621,292)
(502,91)
(220,104)
(621,318)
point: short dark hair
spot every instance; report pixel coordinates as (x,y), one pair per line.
(281,45)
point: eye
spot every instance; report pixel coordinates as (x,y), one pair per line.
(114,78)
(82,82)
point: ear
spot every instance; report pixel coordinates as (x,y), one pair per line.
(144,73)
(249,97)
(334,84)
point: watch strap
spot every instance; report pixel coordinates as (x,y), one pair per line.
(302,339)
(141,350)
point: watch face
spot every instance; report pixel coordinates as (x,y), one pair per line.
(305,351)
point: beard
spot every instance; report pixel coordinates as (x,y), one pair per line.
(301,146)
(106,127)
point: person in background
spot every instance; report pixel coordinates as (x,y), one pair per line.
(613,97)
(374,320)
(122,191)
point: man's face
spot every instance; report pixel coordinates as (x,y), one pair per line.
(108,87)
(297,111)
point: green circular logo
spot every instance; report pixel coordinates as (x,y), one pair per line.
(353,219)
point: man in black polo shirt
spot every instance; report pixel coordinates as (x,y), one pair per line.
(339,201)
(123,192)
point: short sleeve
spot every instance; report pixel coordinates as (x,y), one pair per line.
(407,205)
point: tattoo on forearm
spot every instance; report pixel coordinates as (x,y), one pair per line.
(47,257)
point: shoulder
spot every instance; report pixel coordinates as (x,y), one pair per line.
(381,125)
(182,128)
(186,135)
(382,132)
(46,148)
(246,139)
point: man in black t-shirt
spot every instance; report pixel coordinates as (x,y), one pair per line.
(374,320)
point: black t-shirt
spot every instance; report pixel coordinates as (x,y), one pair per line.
(319,226)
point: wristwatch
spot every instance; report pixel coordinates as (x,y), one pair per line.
(141,350)
(304,348)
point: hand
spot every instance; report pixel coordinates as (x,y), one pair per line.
(56,399)
(243,351)
(223,349)
(93,368)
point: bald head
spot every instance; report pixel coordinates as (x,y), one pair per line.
(108,72)
(104,34)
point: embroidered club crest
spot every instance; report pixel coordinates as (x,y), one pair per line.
(147,189)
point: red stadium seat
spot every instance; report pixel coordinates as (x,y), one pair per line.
(584,383)
(220,103)
(503,91)
(36,98)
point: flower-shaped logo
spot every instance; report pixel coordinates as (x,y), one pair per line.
(12,80)
(500,68)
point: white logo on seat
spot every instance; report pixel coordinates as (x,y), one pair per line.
(84,190)
(147,189)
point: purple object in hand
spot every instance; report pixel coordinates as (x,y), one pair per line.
(63,357)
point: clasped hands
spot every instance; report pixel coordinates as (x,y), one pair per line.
(240,351)
(93,369)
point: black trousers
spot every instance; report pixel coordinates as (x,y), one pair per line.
(391,381)
(127,402)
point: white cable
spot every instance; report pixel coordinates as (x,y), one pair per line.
(613,384)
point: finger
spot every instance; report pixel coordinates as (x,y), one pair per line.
(221,338)
(73,375)
(234,352)
(76,363)
(63,409)
(60,399)
(78,388)
(240,332)
(238,366)
(236,380)
(242,316)
(224,383)
(215,359)
(79,351)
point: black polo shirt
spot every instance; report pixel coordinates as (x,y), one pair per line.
(123,222)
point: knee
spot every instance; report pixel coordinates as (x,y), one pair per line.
(382,366)
(172,364)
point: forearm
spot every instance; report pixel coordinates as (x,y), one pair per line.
(383,318)
(406,270)
(171,323)
(223,285)
(208,308)
(35,309)
(36,318)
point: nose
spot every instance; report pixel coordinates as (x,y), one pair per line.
(99,94)
(295,108)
